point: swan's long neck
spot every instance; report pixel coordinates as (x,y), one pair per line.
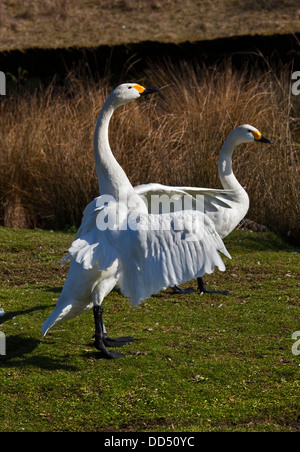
(111,176)
(226,174)
(229,218)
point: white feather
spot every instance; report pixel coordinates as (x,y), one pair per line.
(161,250)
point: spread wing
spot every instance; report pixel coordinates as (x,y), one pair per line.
(153,251)
(212,198)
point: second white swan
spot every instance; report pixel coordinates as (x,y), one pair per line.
(225,207)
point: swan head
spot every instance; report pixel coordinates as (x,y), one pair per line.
(248,134)
(127,92)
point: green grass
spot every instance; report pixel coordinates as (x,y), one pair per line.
(200,363)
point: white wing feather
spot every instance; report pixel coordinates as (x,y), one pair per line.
(213,198)
(161,251)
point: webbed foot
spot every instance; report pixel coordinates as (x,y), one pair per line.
(179,290)
(117,342)
(100,345)
(202,289)
(101,339)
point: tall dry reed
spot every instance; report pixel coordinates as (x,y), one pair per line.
(46,143)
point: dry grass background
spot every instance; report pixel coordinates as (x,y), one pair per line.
(46,156)
(88,23)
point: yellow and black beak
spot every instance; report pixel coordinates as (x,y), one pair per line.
(265,140)
(150,91)
(145,91)
(258,137)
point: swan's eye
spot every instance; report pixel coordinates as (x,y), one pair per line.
(129,87)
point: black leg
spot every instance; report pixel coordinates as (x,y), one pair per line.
(100,337)
(202,288)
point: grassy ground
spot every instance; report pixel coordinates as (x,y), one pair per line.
(200,363)
(65,23)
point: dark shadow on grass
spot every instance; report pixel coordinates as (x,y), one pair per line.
(51,289)
(19,351)
(12,314)
(259,241)
(96,356)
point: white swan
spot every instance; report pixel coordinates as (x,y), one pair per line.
(226,207)
(119,241)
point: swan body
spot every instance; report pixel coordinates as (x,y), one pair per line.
(225,207)
(120,241)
